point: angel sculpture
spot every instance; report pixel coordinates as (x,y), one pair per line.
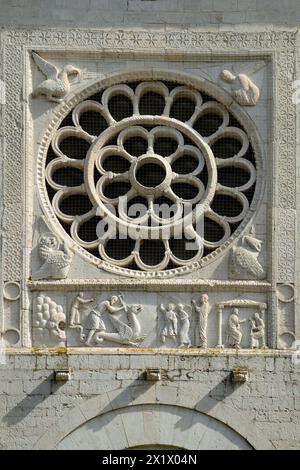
(244,90)
(57,83)
(244,258)
(56,261)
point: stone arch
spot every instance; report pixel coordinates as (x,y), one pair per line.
(101,405)
(153,426)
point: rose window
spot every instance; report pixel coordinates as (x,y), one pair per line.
(151,176)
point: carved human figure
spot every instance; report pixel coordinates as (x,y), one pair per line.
(201,313)
(57,83)
(94,324)
(127,333)
(56,259)
(244,90)
(257,332)
(78,303)
(234,333)
(183,327)
(169,326)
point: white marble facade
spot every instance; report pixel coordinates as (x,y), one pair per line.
(45,268)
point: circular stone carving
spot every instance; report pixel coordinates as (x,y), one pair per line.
(285,292)
(11,337)
(130,175)
(11,290)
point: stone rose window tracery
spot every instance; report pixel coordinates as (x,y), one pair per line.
(167,171)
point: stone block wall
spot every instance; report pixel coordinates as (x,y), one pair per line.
(37,412)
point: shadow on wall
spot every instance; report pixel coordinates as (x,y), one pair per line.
(124,398)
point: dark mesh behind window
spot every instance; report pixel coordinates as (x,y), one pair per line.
(119,248)
(226,147)
(116,189)
(152,252)
(226,205)
(165,146)
(207,124)
(74,147)
(152,103)
(185,164)
(87,232)
(92,122)
(120,107)
(150,175)
(136,146)
(182,109)
(68,176)
(184,190)
(116,164)
(75,205)
(179,248)
(232,176)
(213,232)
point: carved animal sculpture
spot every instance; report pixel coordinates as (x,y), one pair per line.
(56,261)
(244,90)
(244,258)
(57,83)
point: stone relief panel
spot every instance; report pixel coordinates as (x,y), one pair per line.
(162,320)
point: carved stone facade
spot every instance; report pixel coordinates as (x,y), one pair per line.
(156,116)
